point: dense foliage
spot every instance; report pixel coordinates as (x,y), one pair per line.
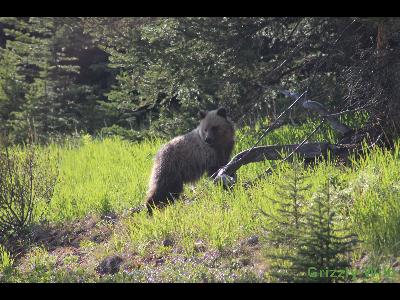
(51,78)
(141,77)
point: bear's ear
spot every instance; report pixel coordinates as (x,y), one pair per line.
(221,112)
(202,114)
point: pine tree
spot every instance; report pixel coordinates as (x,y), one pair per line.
(42,58)
(306,241)
(286,227)
(13,73)
(325,246)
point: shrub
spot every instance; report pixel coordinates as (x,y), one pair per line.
(25,180)
(6,262)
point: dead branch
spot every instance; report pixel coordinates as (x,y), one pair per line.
(323,112)
(276,152)
(333,121)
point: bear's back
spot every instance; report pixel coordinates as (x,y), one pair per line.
(186,156)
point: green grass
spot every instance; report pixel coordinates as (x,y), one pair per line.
(99,176)
(112,175)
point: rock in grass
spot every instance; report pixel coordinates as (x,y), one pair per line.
(110,265)
(168,243)
(253,240)
(110,217)
(159,262)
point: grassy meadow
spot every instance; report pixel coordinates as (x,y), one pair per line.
(210,234)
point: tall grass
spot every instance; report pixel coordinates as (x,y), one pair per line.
(375,183)
(98,176)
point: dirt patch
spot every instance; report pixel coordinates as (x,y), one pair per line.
(71,235)
(65,236)
(63,252)
(84,245)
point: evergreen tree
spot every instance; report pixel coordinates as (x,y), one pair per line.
(325,245)
(315,249)
(14,76)
(286,226)
(44,54)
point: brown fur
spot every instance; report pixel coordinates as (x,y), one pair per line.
(186,158)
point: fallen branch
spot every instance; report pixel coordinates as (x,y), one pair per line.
(276,152)
(305,150)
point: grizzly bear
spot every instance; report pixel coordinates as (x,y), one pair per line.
(186,158)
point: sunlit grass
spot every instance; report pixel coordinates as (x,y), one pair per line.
(99,176)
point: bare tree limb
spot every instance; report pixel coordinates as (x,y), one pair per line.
(307,150)
(304,149)
(333,121)
(323,112)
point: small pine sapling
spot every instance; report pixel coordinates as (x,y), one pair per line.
(322,255)
(287,225)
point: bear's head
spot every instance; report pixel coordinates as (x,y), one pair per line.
(215,129)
